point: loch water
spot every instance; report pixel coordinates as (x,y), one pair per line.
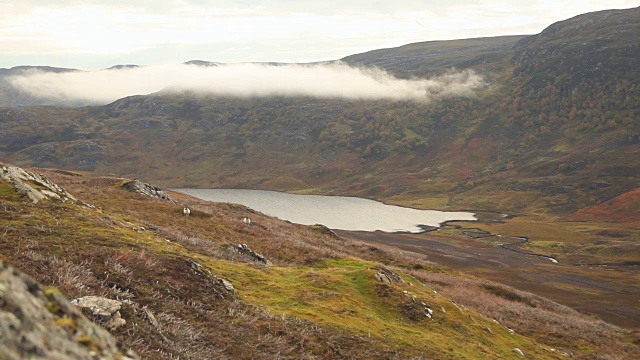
(335,212)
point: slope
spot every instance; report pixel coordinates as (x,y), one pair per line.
(189,292)
(424,59)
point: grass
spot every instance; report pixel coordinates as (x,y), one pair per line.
(344,293)
(320,299)
(576,242)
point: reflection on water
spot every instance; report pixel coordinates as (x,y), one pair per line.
(335,212)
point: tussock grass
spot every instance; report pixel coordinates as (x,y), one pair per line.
(547,321)
(320,299)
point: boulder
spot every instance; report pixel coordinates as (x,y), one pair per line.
(105,311)
(387,276)
(38,322)
(244,249)
(147,190)
(227,285)
(36,187)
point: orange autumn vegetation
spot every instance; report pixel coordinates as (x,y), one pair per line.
(624,208)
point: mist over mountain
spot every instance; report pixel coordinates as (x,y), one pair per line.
(241,80)
(534,115)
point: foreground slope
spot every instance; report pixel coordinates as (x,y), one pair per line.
(190,291)
(40,323)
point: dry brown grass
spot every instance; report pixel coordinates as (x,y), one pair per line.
(104,252)
(526,313)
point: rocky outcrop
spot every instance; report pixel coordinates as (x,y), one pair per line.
(220,282)
(325,230)
(245,250)
(36,187)
(387,276)
(227,285)
(104,311)
(38,322)
(147,190)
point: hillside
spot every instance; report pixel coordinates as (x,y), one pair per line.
(12,97)
(188,290)
(553,130)
(546,150)
(425,59)
(595,48)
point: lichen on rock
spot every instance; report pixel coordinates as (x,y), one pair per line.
(38,322)
(106,311)
(36,187)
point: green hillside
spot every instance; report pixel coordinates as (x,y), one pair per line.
(188,292)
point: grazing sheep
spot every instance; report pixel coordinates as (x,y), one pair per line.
(246,221)
(186,211)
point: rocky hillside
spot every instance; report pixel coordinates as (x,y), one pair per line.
(599,47)
(210,286)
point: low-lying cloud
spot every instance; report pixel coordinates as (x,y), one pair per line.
(243,80)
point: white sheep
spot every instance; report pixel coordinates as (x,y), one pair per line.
(246,221)
(186,211)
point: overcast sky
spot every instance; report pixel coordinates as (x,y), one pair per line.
(92,34)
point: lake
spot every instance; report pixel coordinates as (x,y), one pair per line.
(335,212)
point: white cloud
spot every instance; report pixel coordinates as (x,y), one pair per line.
(336,80)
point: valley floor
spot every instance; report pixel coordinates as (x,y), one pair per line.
(610,292)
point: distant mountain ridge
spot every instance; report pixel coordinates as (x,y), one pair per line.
(602,44)
(425,59)
(13,97)
(555,129)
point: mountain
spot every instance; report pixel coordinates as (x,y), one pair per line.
(545,152)
(600,47)
(553,130)
(432,57)
(210,286)
(14,97)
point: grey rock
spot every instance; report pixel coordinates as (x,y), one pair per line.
(36,187)
(106,311)
(38,322)
(517,351)
(227,285)
(244,249)
(147,190)
(387,276)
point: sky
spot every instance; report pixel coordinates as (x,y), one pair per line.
(96,34)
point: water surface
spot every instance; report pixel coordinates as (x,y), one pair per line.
(335,212)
